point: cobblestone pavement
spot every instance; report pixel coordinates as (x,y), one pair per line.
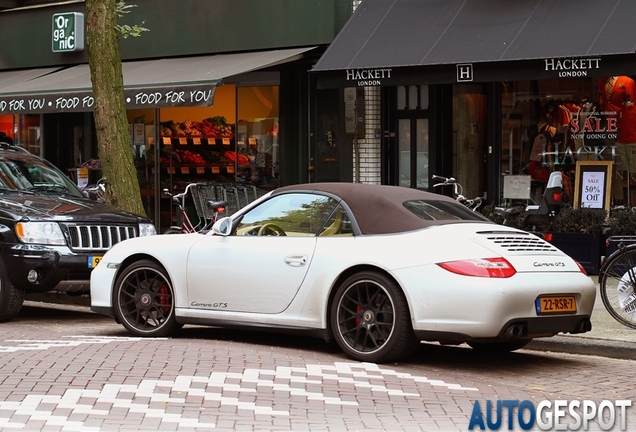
(65,369)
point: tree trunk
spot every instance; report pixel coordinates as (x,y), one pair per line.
(111,123)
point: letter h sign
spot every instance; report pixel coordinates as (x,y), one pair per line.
(464,72)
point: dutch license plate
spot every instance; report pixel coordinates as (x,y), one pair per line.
(93,260)
(555,304)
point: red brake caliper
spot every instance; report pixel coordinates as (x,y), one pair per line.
(358,310)
(164,299)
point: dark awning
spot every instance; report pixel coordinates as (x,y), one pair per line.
(442,34)
(175,82)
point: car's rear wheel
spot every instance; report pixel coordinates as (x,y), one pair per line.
(499,347)
(11,297)
(370,319)
(144,300)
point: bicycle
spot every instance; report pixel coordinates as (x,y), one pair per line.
(96,191)
(617,284)
(458,191)
(214,208)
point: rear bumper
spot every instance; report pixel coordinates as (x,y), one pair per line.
(519,328)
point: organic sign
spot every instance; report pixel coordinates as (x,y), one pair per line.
(68,32)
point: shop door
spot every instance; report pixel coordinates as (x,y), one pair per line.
(413,157)
(331,149)
(407,154)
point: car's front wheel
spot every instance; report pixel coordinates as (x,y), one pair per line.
(11,297)
(144,300)
(370,319)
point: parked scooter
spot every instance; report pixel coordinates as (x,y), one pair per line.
(551,203)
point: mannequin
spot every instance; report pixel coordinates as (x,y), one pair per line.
(617,97)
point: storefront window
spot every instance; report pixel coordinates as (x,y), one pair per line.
(469,146)
(6,127)
(412,97)
(549,125)
(23,130)
(234,141)
(257,134)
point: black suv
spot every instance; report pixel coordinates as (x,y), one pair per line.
(51,234)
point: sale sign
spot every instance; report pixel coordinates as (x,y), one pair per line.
(592,189)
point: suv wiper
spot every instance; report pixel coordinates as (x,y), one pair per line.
(48,187)
(15,191)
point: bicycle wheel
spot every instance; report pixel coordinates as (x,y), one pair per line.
(617,283)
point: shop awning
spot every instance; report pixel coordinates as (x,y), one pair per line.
(440,35)
(174,82)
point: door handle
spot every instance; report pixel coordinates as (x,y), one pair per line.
(296,260)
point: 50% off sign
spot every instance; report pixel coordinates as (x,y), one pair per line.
(593,187)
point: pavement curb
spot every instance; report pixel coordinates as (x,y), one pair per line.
(60,298)
(586,346)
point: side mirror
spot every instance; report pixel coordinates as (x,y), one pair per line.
(222,226)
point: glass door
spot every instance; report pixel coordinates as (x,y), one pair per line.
(413,142)
(412,136)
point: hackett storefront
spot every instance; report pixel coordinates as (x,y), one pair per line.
(495,93)
(215,91)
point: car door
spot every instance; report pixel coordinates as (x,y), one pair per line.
(263,264)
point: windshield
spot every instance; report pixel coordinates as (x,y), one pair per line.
(30,174)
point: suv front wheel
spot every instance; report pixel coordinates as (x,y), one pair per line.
(11,297)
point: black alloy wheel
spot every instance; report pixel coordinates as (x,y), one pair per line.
(144,300)
(370,319)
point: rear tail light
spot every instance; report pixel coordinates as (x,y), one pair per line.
(581,267)
(557,196)
(484,267)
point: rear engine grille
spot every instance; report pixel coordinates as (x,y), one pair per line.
(98,237)
(519,242)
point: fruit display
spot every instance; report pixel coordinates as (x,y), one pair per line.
(190,157)
(233,156)
(211,127)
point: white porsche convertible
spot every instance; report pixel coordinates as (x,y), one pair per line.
(375,268)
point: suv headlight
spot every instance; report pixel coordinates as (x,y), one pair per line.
(146,230)
(40,232)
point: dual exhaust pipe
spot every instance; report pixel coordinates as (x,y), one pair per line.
(520,330)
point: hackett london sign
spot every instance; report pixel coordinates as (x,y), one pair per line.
(566,68)
(68,32)
(368,77)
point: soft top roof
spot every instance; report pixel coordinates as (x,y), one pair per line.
(378,209)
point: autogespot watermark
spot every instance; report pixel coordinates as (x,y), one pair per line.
(558,415)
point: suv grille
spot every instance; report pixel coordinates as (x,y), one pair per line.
(98,237)
(519,243)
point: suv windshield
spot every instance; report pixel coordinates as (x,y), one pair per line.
(25,173)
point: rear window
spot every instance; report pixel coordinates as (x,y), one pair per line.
(442,210)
